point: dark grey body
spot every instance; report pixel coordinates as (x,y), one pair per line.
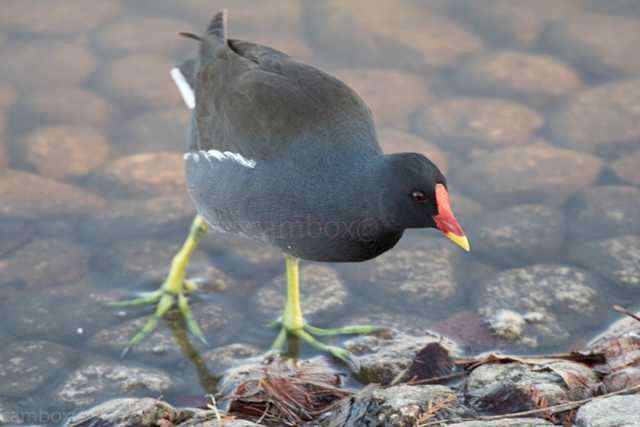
(314,146)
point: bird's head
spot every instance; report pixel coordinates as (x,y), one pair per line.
(415,195)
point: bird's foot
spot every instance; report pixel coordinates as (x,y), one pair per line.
(173,293)
(306,333)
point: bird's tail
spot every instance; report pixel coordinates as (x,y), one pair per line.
(217,27)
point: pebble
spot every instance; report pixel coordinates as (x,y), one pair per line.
(24,370)
(520,234)
(626,168)
(157,130)
(604,212)
(536,172)
(33,67)
(618,259)
(614,411)
(504,388)
(64,151)
(558,299)
(97,380)
(600,118)
(44,263)
(30,196)
(392,95)
(150,34)
(143,80)
(532,79)
(322,294)
(398,141)
(158,173)
(600,44)
(62,16)
(71,106)
(471,123)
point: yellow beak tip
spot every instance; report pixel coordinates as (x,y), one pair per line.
(461,241)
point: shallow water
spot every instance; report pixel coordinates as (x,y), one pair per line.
(531,109)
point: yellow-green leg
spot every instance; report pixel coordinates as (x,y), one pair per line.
(174,290)
(292,322)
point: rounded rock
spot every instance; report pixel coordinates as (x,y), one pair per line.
(557,299)
(62,16)
(606,211)
(626,168)
(72,106)
(64,151)
(468,123)
(8,95)
(34,67)
(398,141)
(528,78)
(31,196)
(610,412)
(157,173)
(322,294)
(597,43)
(142,79)
(229,356)
(519,234)
(618,259)
(28,366)
(536,172)
(158,130)
(151,34)
(601,118)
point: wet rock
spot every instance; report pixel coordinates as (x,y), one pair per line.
(142,79)
(147,173)
(605,212)
(8,95)
(158,130)
(469,330)
(519,234)
(622,379)
(507,325)
(385,356)
(537,172)
(33,67)
(157,216)
(220,321)
(512,23)
(597,43)
(471,123)
(528,78)
(9,414)
(392,95)
(15,234)
(64,151)
(617,259)
(611,411)
(130,412)
(408,35)
(514,387)
(72,106)
(63,17)
(30,196)
(229,356)
(601,118)
(151,34)
(23,369)
(422,277)
(368,313)
(626,168)
(322,294)
(96,381)
(555,300)
(398,141)
(44,263)
(506,422)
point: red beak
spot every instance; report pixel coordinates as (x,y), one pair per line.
(446,221)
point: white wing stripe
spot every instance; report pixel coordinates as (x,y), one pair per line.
(183,86)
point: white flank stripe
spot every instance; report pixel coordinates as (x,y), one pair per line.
(184,88)
(220,156)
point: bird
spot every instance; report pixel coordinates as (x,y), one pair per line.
(285,154)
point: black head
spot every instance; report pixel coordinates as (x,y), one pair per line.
(414,195)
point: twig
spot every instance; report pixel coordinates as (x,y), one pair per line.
(213,406)
(552,409)
(621,309)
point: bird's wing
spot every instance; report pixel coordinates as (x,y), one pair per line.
(255,101)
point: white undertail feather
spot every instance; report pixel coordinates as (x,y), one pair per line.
(221,156)
(183,86)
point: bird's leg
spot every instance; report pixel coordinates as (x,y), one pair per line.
(293,323)
(174,290)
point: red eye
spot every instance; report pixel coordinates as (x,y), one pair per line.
(418,196)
